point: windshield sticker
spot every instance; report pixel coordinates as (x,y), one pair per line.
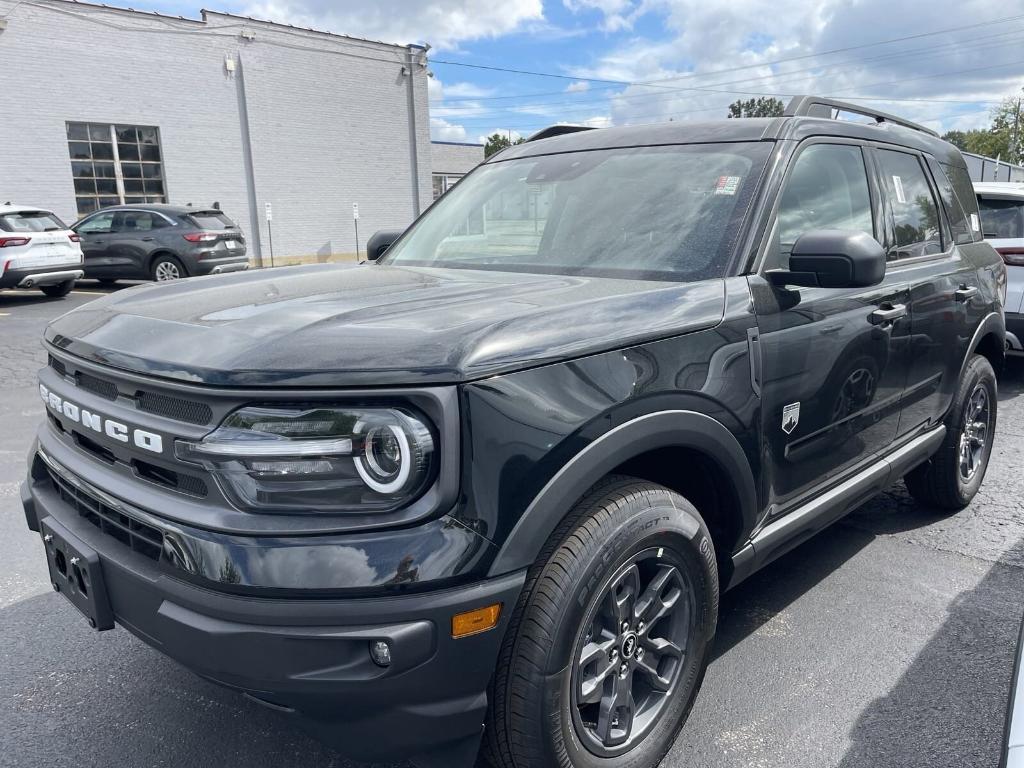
(897,182)
(727,185)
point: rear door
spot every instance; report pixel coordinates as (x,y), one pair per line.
(944,304)
(833,360)
(132,239)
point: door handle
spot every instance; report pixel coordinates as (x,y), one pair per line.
(146,239)
(888,315)
(965,293)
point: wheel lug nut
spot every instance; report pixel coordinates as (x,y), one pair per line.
(614,654)
(623,670)
(639,653)
(641,627)
(625,626)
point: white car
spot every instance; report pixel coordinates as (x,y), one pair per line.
(38,250)
(1002,221)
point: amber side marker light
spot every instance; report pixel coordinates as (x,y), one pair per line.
(476,621)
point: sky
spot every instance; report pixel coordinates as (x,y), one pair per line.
(944,63)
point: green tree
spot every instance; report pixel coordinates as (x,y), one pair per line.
(762,106)
(1003,139)
(497,142)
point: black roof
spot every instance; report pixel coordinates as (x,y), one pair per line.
(789,127)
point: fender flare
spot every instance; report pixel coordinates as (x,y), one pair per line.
(663,429)
(991,323)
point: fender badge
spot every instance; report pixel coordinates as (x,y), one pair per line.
(790,417)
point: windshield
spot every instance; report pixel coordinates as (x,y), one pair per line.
(1002,219)
(643,213)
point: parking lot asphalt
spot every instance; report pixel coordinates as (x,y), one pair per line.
(887,640)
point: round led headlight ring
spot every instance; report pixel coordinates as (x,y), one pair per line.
(387,458)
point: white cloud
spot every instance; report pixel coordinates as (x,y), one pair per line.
(442,130)
(509,132)
(442,23)
(577,87)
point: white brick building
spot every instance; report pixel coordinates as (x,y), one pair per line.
(451,161)
(105,105)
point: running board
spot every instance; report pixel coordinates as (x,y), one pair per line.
(779,537)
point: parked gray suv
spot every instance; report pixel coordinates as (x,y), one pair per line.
(159,242)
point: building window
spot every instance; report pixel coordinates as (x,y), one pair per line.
(443,182)
(115,165)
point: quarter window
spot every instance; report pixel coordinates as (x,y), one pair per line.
(115,165)
(915,213)
(827,189)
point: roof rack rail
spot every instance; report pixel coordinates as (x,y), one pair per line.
(559,130)
(817,106)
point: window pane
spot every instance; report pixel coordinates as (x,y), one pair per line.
(106,186)
(131,170)
(127,133)
(1002,218)
(154,187)
(959,222)
(104,170)
(79,150)
(150,152)
(86,205)
(135,222)
(102,151)
(915,213)
(30,221)
(99,132)
(106,202)
(151,170)
(156,200)
(81,169)
(827,189)
(133,187)
(85,187)
(78,132)
(147,135)
(128,151)
(134,200)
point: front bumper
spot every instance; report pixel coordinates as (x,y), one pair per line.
(309,657)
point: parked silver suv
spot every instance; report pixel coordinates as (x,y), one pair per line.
(1002,217)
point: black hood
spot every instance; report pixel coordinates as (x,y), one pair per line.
(362,325)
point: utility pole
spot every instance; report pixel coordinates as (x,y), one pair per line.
(1015,156)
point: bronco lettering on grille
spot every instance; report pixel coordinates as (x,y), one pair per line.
(149,441)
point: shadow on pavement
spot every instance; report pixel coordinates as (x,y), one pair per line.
(940,713)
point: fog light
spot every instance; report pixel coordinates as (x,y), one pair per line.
(473,622)
(380,652)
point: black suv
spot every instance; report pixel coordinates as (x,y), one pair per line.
(485,492)
(159,242)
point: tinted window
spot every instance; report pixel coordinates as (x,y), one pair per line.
(959,220)
(211,220)
(30,221)
(964,188)
(1002,218)
(827,189)
(914,210)
(102,222)
(667,213)
(135,221)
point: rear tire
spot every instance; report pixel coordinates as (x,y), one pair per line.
(58,290)
(951,477)
(166,268)
(628,575)
(106,282)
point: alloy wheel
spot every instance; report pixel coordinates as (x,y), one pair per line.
(974,433)
(630,651)
(167,270)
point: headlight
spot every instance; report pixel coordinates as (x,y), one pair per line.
(317,459)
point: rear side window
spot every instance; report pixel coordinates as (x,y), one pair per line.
(964,189)
(1002,218)
(211,220)
(914,210)
(959,219)
(31,221)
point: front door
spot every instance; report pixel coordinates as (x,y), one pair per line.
(95,232)
(834,362)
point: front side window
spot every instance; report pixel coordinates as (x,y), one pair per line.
(1002,218)
(101,223)
(115,165)
(663,213)
(914,210)
(827,189)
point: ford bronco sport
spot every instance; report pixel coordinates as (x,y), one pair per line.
(482,495)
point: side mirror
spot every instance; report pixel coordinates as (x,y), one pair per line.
(380,241)
(833,258)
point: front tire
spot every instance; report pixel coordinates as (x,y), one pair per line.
(167,268)
(58,290)
(951,478)
(608,645)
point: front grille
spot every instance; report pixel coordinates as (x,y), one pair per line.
(58,366)
(140,537)
(98,386)
(175,408)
